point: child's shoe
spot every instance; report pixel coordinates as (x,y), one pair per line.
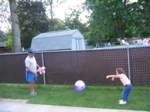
(121,102)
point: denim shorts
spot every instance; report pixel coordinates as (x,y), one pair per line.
(30,77)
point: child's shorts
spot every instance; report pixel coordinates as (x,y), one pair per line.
(30,77)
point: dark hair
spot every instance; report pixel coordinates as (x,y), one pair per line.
(120,70)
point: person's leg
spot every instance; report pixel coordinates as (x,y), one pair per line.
(123,101)
(129,90)
(31,87)
(31,78)
(126,92)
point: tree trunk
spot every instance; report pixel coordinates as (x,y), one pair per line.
(15,26)
(120,28)
(51,8)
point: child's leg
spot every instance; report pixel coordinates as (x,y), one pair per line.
(126,91)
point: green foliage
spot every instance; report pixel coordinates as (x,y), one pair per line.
(109,19)
(56,24)
(118,18)
(2,35)
(9,40)
(33,20)
(143,18)
(73,21)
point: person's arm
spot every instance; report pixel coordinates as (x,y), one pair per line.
(112,76)
(38,66)
(31,71)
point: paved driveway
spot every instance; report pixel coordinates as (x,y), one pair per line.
(17,105)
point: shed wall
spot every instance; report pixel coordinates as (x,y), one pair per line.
(51,43)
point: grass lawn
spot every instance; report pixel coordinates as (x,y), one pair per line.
(92,96)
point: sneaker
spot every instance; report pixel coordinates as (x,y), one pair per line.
(121,102)
(33,94)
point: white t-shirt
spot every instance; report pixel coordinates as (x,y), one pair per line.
(31,63)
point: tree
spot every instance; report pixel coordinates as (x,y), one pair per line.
(101,21)
(15,25)
(56,24)
(52,4)
(33,20)
(72,21)
(5,15)
(142,19)
(9,40)
(110,18)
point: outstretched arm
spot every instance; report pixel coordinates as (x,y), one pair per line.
(112,76)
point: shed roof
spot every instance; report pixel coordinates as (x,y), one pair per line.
(56,40)
(59,33)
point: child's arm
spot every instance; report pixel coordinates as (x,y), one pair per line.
(113,79)
(112,76)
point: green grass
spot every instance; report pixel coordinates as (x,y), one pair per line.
(92,96)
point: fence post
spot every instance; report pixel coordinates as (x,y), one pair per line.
(128,55)
(43,65)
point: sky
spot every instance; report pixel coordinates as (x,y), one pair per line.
(64,8)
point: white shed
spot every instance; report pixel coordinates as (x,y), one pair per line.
(59,40)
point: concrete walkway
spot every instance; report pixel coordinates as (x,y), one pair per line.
(17,105)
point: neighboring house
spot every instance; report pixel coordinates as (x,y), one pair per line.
(137,41)
(59,40)
(2,47)
(123,42)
